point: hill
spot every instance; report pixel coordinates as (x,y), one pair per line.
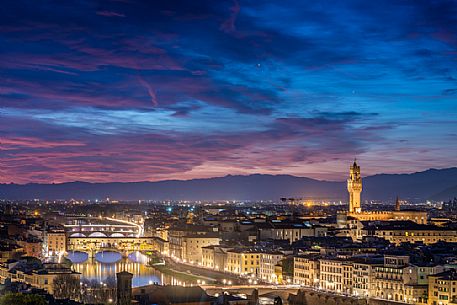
(416,186)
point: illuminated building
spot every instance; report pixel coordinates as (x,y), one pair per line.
(398,280)
(193,244)
(306,270)
(41,278)
(354,186)
(442,288)
(336,275)
(398,232)
(186,241)
(55,242)
(243,261)
(267,264)
(288,231)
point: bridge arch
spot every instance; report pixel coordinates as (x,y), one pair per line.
(108,256)
(97,234)
(77,235)
(117,235)
(77,256)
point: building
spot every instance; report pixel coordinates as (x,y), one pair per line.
(363,275)
(208,257)
(442,288)
(354,184)
(398,232)
(336,275)
(42,278)
(397,280)
(220,258)
(306,270)
(55,242)
(32,246)
(124,288)
(243,261)
(354,187)
(288,231)
(267,266)
(186,241)
(192,246)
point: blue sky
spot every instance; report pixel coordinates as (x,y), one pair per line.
(150,90)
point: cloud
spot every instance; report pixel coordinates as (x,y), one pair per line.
(110,14)
(182,89)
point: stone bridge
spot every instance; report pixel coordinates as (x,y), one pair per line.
(123,245)
(264,291)
(96,227)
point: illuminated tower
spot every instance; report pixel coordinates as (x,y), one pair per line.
(354,188)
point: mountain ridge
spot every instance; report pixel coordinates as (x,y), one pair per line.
(427,184)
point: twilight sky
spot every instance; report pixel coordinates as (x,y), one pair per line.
(129,90)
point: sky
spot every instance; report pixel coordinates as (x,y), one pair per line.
(129,90)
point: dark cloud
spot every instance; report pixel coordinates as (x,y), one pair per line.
(212,87)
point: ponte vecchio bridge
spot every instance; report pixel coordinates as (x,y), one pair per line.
(101,227)
(92,235)
(123,245)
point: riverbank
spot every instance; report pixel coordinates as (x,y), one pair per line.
(184,276)
(198,271)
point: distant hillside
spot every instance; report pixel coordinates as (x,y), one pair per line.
(420,186)
(447,194)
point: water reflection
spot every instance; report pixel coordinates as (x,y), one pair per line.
(108,257)
(105,266)
(77,256)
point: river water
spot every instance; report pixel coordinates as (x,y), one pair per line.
(105,265)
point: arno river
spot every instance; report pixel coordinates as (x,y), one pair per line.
(105,265)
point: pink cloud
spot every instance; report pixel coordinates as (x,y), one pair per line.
(110,14)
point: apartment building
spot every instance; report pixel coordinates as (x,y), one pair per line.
(267,266)
(243,261)
(306,270)
(336,275)
(442,288)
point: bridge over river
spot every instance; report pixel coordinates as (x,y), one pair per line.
(102,227)
(263,291)
(123,245)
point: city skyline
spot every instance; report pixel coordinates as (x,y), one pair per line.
(137,91)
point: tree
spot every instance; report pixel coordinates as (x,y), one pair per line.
(22,299)
(66,286)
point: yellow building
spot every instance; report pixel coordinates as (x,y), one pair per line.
(55,242)
(243,261)
(208,257)
(306,270)
(442,288)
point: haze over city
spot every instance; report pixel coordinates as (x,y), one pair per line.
(154,90)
